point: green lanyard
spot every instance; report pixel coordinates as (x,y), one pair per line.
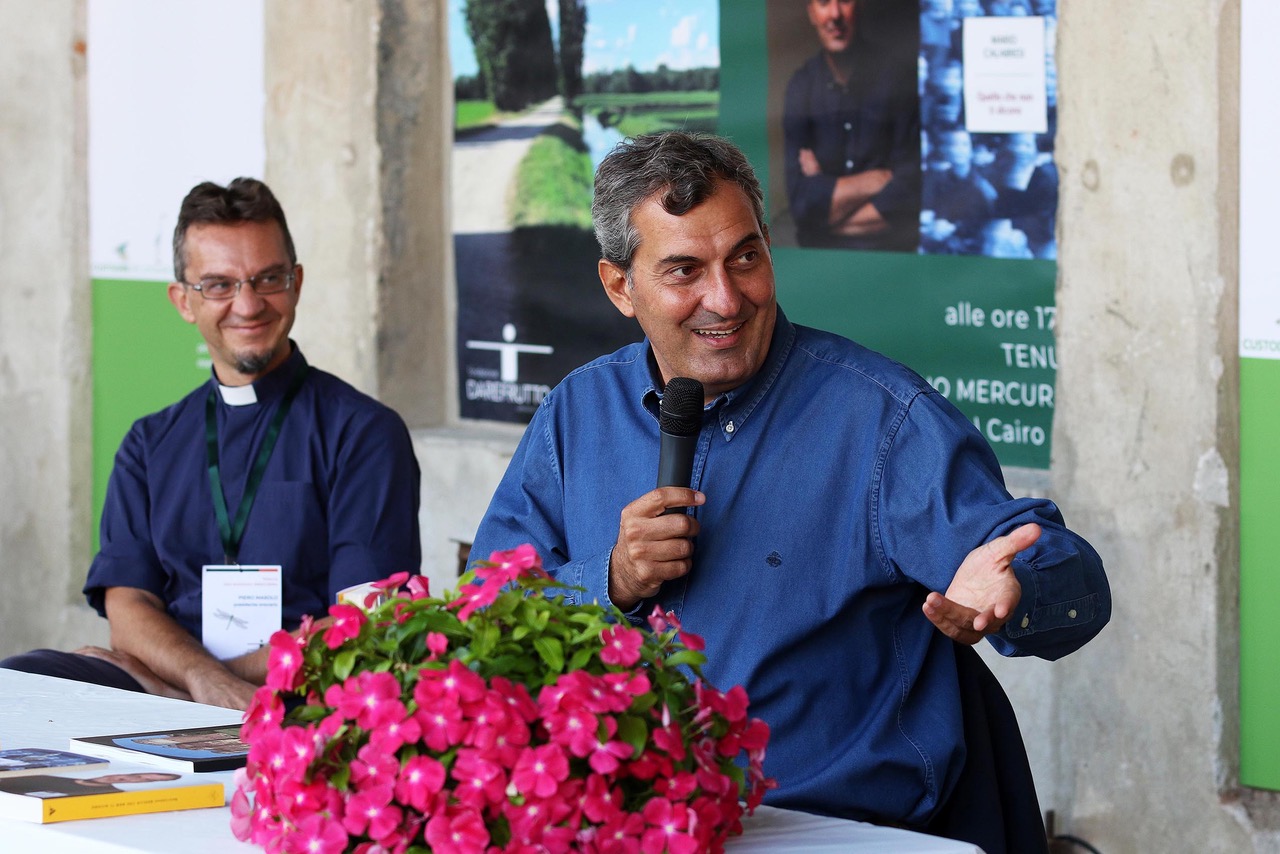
(231,535)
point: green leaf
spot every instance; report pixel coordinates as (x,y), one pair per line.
(485,639)
(343,663)
(580,658)
(634,731)
(550,651)
(686,656)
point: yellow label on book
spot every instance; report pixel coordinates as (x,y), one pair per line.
(199,796)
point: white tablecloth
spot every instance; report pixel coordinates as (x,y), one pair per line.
(36,711)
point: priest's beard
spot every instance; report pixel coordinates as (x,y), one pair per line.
(253,363)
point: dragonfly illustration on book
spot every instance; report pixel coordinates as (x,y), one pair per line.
(232,619)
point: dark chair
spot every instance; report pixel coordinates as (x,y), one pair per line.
(994,802)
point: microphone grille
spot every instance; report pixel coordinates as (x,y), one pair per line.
(681,411)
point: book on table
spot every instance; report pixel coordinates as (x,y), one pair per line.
(98,793)
(21,761)
(190,749)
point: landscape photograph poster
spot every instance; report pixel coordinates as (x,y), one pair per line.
(544,90)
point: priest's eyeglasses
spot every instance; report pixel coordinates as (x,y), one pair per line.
(263,284)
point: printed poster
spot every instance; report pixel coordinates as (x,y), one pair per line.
(529,135)
(942,252)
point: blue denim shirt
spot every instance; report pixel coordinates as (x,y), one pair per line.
(840,489)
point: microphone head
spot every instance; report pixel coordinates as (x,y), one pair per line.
(680,413)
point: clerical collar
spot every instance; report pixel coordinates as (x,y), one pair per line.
(265,389)
(238,395)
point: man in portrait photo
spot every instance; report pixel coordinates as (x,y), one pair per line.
(851,127)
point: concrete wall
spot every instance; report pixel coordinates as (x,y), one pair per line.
(44,327)
(1133,739)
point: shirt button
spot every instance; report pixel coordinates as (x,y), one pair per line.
(848,125)
(1072,613)
(729,428)
(1026,620)
(848,164)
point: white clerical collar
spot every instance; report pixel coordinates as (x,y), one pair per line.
(238,395)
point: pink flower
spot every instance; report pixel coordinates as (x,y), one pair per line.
(419,587)
(692,641)
(670,740)
(540,770)
(392,582)
(475,597)
(390,737)
(657,620)
(265,710)
(317,834)
(284,662)
(621,834)
(480,780)
(347,620)
(626,686)
(512,564)
(668,828)
(371,811)
(437,644)
(373,769)
(241,809)
(420,780)
(534,823)
(604,758)
(574,729)
(370,699)
(457,831)
(621,646)
(600,800)
(440,718)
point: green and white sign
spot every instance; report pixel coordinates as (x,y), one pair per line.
(1259,400)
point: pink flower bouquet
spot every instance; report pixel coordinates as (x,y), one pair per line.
(495,719)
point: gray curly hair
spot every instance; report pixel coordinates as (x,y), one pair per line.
(683,167)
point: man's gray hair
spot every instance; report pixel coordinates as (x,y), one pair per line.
(682,167)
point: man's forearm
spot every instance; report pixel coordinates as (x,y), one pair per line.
(852,194)
(141,627)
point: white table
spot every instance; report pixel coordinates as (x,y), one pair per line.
(36,711)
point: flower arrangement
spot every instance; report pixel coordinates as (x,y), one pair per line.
(496,718)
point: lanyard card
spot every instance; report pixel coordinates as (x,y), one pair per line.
(240,608)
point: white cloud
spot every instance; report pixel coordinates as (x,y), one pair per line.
(682,33)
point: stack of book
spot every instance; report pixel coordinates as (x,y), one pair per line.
(156,772)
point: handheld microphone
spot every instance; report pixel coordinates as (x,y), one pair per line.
(679,419)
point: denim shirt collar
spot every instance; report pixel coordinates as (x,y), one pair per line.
(732,408)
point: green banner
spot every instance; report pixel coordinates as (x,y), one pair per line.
(144,358)
(1259,578)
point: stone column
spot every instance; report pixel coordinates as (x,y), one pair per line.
(45,400)
(358,140)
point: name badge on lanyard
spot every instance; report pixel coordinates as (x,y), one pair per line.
(241,605)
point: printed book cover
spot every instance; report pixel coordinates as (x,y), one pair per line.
(191,749)
(21,761)
(46,798)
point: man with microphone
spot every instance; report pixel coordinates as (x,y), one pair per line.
(848,532)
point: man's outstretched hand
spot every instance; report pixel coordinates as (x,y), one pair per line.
(984,591)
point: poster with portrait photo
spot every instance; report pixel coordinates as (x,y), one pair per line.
(844,124)
(978,327)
